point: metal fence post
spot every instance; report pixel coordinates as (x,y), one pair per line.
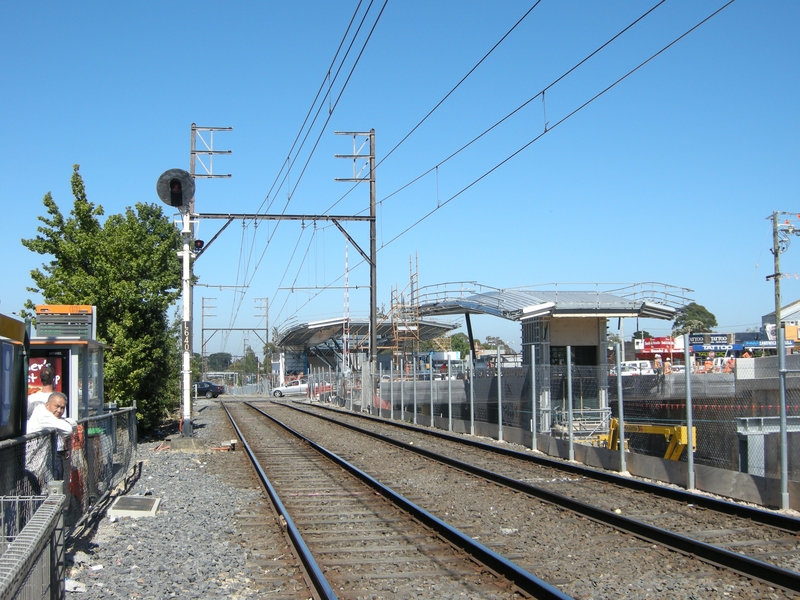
(623,467)
(689,422)
(449,398)
(569,403)
(784,458)
(533,397)
(402,390)
(430,372)
(414,373)
(499,398)
(391,389)
(471,394)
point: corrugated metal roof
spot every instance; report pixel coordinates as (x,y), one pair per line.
(512,303)
(329,333)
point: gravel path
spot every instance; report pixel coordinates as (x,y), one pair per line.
(190,549)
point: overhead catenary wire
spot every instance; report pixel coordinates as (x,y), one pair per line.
(552,127)
(237,307)
(446,96)
(561,121)
(435,168)
(325,81)
(299,177)
(297,181)
(338,98)
(548,129)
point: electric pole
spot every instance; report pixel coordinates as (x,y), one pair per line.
(372,259)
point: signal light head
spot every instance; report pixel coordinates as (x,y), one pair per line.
(176,188)
(175,193)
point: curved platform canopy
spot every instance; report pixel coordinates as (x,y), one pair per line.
(327,335)
(643,300)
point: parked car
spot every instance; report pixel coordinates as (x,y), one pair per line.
(635,367)
(208,389)
(298,386)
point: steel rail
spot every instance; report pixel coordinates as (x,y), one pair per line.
(764,517)
(520,577)
(321,584)
(719,557)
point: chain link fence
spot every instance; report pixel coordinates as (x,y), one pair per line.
(735,414)
(75,473)
(32,547)
(90,462)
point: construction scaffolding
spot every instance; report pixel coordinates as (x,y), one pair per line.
(404,316)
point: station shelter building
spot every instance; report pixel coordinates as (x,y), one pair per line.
(557,318)
(65,338)
(342,344)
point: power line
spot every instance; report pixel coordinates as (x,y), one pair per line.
(546,131)
(536,138)
(446,96)
(316,98)
(338,98)
(521,106)
(237,307)
(485,132)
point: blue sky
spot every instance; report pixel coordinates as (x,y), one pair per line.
(668,177)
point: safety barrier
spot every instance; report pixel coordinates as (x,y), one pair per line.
(32,548)
(81,469)
(91,462)
(735,416)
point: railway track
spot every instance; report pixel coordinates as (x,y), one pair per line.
(639,511)
(767,536)
(271,558)
(354,542)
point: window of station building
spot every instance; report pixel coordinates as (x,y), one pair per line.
(580,356)
(90,402)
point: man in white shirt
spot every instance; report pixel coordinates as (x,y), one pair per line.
(49,415)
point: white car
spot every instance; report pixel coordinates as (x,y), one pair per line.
(634,367)
(298,386)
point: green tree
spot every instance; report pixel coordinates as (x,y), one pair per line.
(127,268)
(197,367)
(246,365)
(219,361)
(492,342)
(640,335)
(693,318)
(459,342)
(270,351)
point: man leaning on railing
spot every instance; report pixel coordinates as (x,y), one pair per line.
(49,415)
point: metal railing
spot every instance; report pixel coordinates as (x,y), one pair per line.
(734,415)
(78,472)
(32,559)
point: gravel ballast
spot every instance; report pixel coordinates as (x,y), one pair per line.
(189,549)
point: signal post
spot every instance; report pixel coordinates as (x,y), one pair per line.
(176,189)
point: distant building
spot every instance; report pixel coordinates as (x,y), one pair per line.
(790,317)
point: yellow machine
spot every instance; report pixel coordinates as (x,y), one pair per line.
(676,435)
